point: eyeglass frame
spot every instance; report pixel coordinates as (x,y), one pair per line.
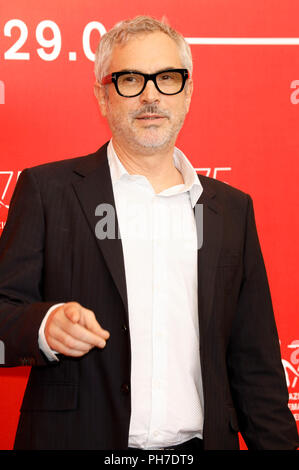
(113,78)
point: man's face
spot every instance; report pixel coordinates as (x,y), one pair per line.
(150,121)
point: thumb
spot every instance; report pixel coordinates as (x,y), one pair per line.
(72,312)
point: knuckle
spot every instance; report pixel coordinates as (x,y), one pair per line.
(68,342)
(71,306)
(89,315)
(86,348)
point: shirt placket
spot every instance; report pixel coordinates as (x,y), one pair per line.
(159,327)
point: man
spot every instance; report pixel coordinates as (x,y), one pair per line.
(140,339)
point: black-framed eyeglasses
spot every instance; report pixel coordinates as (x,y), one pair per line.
(130,83)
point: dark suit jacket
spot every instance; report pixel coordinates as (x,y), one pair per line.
(49,253)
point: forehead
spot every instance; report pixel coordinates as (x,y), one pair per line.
(147,53)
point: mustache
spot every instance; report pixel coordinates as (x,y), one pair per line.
(149,109)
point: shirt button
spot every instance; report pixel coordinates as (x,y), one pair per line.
(125,328)
(125,388)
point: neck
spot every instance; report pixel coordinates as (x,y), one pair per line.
(157,166)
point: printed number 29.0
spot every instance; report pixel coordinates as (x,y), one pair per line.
(54,43)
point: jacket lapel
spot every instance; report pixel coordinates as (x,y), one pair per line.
(94,187)
(208,253)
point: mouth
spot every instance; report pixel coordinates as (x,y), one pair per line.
(150,117)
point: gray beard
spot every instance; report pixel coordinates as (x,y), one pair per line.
(147,143)
(150,141)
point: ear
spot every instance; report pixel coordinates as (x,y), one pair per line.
(189,91)
(101,96)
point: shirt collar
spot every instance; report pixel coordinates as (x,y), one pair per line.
(190,177)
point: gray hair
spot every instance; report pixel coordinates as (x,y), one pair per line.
(124,30)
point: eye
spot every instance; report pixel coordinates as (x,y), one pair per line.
(129,78)
(165,77)
(169,77)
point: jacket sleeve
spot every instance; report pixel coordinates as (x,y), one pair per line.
(21,275)
(256,373)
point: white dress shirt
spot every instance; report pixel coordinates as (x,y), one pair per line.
(159,240)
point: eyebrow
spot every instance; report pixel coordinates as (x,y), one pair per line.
(158,71)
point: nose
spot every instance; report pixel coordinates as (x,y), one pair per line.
(150,94)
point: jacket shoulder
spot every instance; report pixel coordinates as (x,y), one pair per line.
(63,169)
(225,194)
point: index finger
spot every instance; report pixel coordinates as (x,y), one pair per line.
(88,319)
(83,334)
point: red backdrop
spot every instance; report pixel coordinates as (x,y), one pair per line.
(242,127)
